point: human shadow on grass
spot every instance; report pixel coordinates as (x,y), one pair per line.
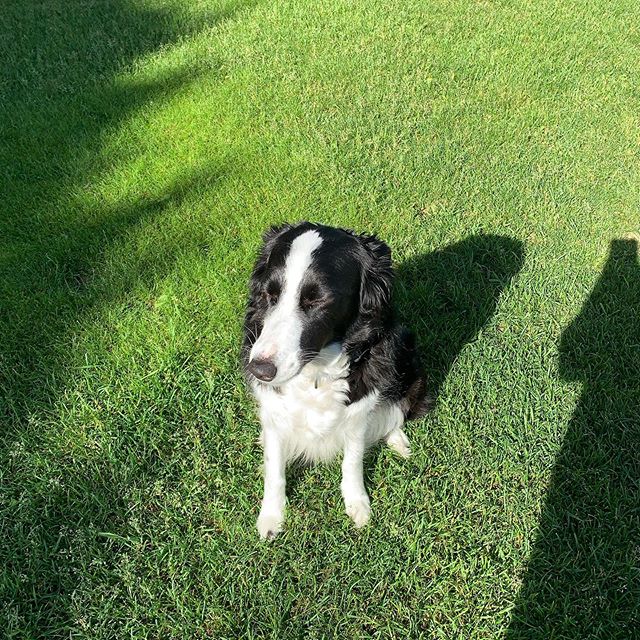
(583,576)
(58,100)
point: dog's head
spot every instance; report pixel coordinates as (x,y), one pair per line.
(310,285)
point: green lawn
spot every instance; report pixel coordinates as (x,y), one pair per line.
(145,145)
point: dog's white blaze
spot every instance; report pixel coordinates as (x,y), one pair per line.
(280,337)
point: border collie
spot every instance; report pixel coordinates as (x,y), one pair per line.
(330,369)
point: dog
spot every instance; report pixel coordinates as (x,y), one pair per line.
(330,369)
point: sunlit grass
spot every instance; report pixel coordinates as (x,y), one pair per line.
(145,145)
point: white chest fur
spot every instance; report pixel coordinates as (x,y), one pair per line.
(310,412)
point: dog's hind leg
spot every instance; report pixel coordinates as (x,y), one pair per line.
(386,424)
(398,442)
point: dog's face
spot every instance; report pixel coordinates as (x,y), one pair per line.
(308,286)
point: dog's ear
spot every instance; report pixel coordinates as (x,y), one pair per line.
(270,235)
(269,238)
(377,275)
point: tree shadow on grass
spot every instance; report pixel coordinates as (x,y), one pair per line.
(583,577)
(58,99)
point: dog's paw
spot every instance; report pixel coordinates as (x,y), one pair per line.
(359,510)
(398,442)
(269,525)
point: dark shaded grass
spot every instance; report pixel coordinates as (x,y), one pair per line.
(58,98)
(446,297)
(583,578)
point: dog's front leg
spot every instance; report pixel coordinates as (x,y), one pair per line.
(356,500)
(272,511)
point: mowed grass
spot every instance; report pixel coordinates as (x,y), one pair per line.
(144,147)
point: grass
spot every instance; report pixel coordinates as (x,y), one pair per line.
(144,146)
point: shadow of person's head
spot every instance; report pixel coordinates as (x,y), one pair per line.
(582,577)
(602,345)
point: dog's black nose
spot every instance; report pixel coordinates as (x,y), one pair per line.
(264,370)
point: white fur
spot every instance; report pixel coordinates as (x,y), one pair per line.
(307,417)
(279,340)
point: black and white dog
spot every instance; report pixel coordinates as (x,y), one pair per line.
(330,369)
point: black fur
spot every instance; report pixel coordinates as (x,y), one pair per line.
(354,272)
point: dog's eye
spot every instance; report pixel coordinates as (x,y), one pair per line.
(270,298)
(310,303)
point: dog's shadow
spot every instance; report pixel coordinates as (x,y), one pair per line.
(446,297)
